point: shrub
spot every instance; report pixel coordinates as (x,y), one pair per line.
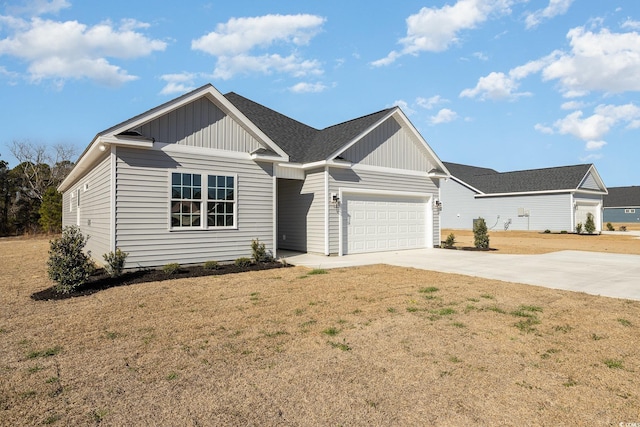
(623,228)
(211,265)
(564,232)
(589,225)
(547,231)
(242,262)
(480,236)
(115,262)
(259,251)
(171,268)
(450,241)
(579,228)
(68,265)
(610,227)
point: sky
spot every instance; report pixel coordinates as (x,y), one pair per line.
(504,84)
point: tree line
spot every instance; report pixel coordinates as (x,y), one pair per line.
(29,200)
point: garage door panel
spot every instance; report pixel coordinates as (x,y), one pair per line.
(378,223)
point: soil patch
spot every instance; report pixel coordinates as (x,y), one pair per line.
(100,280)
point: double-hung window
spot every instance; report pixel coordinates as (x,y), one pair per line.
(202,201)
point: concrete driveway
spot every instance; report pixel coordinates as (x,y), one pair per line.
(596,273)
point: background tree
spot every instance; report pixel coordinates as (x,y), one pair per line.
(51,211)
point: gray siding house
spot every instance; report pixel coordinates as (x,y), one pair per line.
(622,204)
(201,176)
(554,199)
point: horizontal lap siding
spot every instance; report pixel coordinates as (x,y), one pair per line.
(314,184)
(95,208)
(293,208)
(345,178)
(618,215)
(458,205)
(142,209)
(546,212)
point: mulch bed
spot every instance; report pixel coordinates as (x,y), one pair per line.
(100,280)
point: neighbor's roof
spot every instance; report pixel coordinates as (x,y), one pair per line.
(302,143)
(490,181)
(622,197)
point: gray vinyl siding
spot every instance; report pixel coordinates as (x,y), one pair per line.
(371,180)
(294,203)
(618,215)
(142,209)
(95,208)
(200,124)
(590,183)
(390,145)
(547,211)
(314,184)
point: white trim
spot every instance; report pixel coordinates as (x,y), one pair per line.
(524,193)
(386,170)
(124,141)
(201,151)
(274,225)
(112,201)
(326,210)
(465,184)
(428,201)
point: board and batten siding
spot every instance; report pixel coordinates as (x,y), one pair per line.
(143,203)
(200,124)
(377,181)
(95,208)
(390,145)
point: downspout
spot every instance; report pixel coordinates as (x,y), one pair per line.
(275,215)
(326,210)
(112,201)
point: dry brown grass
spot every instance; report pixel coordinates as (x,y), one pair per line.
(360,346)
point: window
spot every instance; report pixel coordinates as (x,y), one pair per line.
(78,197)
(191,207)
(186,195)
(221,201)
(630,211)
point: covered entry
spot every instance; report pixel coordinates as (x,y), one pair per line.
(373,222)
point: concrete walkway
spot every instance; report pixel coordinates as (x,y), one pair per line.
(596,273)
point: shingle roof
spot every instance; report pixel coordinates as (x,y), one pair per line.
(622,197)
(302,143)
(490,181)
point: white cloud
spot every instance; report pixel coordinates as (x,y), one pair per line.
(39,7)
(572,105)
(303,87)
(590,157)
(443,116)
(495,86)
(555,8)
(594,145)
(404,106)
(178,83)
(234,41)
(70,50)
(630,24)
(481,56)
(430,103)
(436,29)
(543,129)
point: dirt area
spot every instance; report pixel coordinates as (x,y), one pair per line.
(373,345)
(533,242)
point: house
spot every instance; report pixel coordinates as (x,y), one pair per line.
(622,204)
(200,177)
(554,199)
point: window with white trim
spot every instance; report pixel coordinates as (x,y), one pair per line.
(191,207)
(630,211)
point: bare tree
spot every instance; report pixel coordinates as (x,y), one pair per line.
(42,166)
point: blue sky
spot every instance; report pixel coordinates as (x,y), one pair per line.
(505,84)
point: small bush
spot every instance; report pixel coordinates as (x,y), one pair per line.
(547,231)
(589,225)
(259,251)
(610,227)
(171,268)
(623,228)
(480,236)
(68,265)
(579,228)
(115,262)
(450,241)
(211,265)
(564,232)
(243,262)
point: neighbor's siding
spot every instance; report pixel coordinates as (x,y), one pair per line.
(94,207)
(142,209)
(618,215)
(294,203)
(200,124)
(372,180)
(390,145)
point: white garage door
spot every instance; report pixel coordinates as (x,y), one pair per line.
(373,223)
(581,213)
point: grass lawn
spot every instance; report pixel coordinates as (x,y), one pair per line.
(373,345)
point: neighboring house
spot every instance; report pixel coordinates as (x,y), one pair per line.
(554,199)
(201,176)
(622,204)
